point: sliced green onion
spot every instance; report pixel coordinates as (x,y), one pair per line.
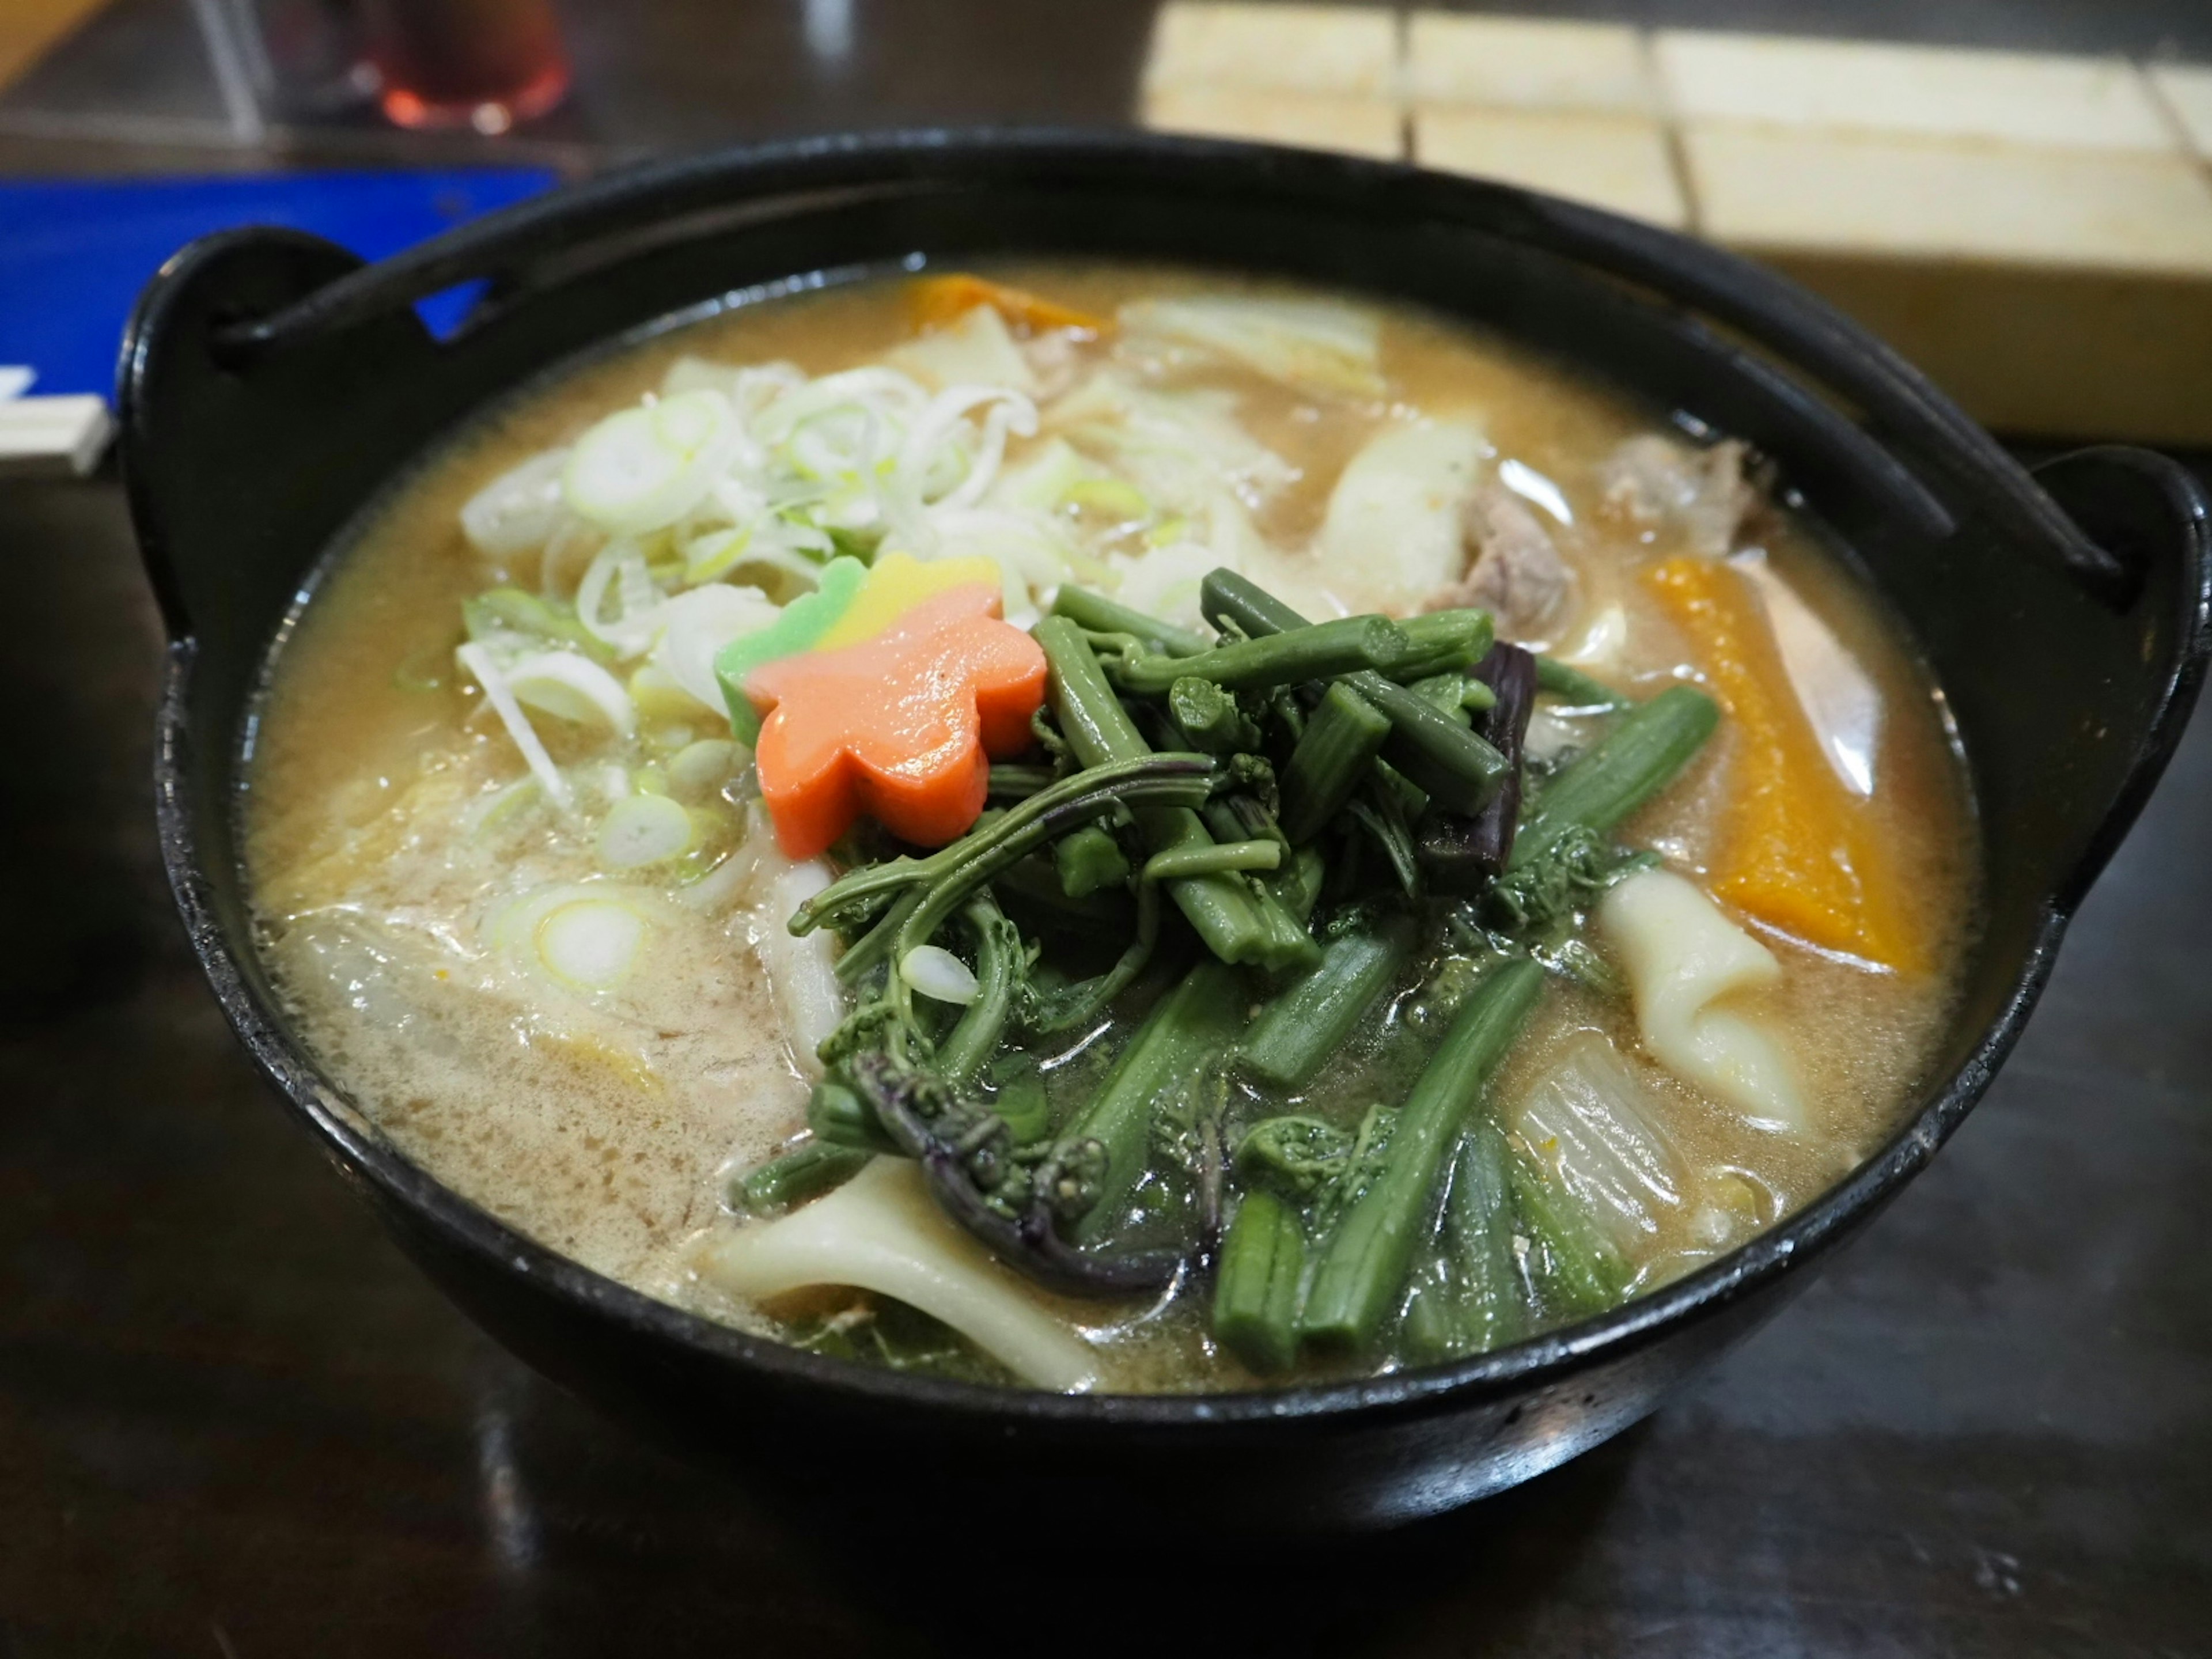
(643,469)
(591,944)
(701,768)
(573,688)
(643,830)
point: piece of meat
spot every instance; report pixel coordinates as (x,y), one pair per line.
(1656,481)
(1517,575)
(1054,361)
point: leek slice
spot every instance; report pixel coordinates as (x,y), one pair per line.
(478,660)
(644,830)
(696,625)
(643,469)
(575,688)
(520,510)
(591,944)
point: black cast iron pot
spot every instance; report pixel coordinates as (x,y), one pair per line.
(271,385)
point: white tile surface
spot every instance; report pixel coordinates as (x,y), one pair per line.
(2019,97)
(52,437)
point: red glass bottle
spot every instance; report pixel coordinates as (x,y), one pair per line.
(483,64)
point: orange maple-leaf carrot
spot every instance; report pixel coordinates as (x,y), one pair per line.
(1797,850)
(900,726)
(940,301)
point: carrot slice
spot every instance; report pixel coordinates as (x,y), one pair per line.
(901,726)
(1798,849)
(939,301)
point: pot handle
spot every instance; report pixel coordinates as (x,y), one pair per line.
(2153,516)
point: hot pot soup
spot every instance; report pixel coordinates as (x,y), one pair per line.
(1109,828)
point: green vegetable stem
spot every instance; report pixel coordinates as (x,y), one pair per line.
(1647,748)
(1255,1288)
(1221,907)
(1295,1035)
(1446,759)
(1188,1028)
(1363,1268)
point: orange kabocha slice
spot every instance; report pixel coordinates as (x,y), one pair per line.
(1798,850)
(900,727)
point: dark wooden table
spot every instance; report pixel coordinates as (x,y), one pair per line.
(234,1424)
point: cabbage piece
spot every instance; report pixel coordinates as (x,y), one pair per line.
(1592,1120)
(1397,517)
(1164,581)
(1182,448)
(1315,345)
(882,1232)
(977,349)
(1684,959)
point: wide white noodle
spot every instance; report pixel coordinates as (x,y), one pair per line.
(882,1232)
(803,971)
(1685,959)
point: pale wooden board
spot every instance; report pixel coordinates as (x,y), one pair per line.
(1527,63)
(2052,353)
(2188,94)
(1360,126)
(1775,190)
(1349,50)
(1616,161)
(2034,230)
(2008,98)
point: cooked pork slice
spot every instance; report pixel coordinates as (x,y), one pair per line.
(1517,575)
(1654,480)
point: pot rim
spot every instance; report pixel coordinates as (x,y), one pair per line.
(1544,1360)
